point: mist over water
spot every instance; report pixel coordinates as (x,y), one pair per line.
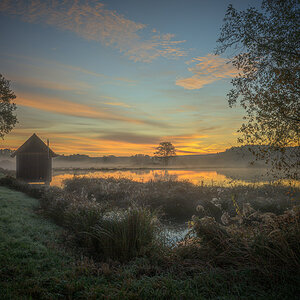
(232,167)
(207,177)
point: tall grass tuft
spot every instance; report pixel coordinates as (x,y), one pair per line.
(126,234)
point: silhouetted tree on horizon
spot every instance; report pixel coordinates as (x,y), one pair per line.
(164,152)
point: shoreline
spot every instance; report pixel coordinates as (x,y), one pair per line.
(153,168)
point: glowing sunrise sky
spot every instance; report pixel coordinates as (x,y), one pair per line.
(116,77)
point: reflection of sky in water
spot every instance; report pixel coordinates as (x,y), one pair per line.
(174,233)
(200,177)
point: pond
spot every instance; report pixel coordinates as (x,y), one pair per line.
(207,177)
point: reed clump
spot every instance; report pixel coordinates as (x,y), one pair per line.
(126,234)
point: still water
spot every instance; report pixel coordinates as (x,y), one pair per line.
(208,177)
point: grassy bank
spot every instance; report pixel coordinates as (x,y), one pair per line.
(33,262)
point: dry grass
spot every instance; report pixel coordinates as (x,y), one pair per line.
(270,246)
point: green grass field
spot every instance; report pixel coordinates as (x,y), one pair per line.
(34,264)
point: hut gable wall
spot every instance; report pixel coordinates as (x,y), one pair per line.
(34,161)
(34,145)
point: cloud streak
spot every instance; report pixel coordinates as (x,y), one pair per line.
(59,67)
(75,86)
(207,69)
(122,104)
(65,107)
(131,138)
(91,20)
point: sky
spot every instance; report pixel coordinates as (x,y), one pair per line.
(117,77)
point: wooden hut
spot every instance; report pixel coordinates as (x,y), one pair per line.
(34,161)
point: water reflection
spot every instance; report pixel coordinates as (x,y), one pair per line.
(225,177)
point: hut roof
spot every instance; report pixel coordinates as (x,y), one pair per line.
(34,145)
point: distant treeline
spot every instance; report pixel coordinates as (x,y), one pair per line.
(139,159)
(6,152)
(235,156)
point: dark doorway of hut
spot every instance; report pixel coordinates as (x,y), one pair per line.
(34,161)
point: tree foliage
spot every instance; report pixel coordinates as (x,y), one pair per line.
(7,119)
(267,86)
(165,151)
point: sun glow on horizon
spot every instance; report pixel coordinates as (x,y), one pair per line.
(72,144)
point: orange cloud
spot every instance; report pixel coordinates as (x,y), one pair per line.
(92,21)
(208,69)
(156,46)
(180,138)
(65,107)
(112,144)
(188,143)
(117,104)
(77,144)
(71,144)
(45,84)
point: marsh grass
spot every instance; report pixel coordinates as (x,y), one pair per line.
(255,256)
(177,200)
